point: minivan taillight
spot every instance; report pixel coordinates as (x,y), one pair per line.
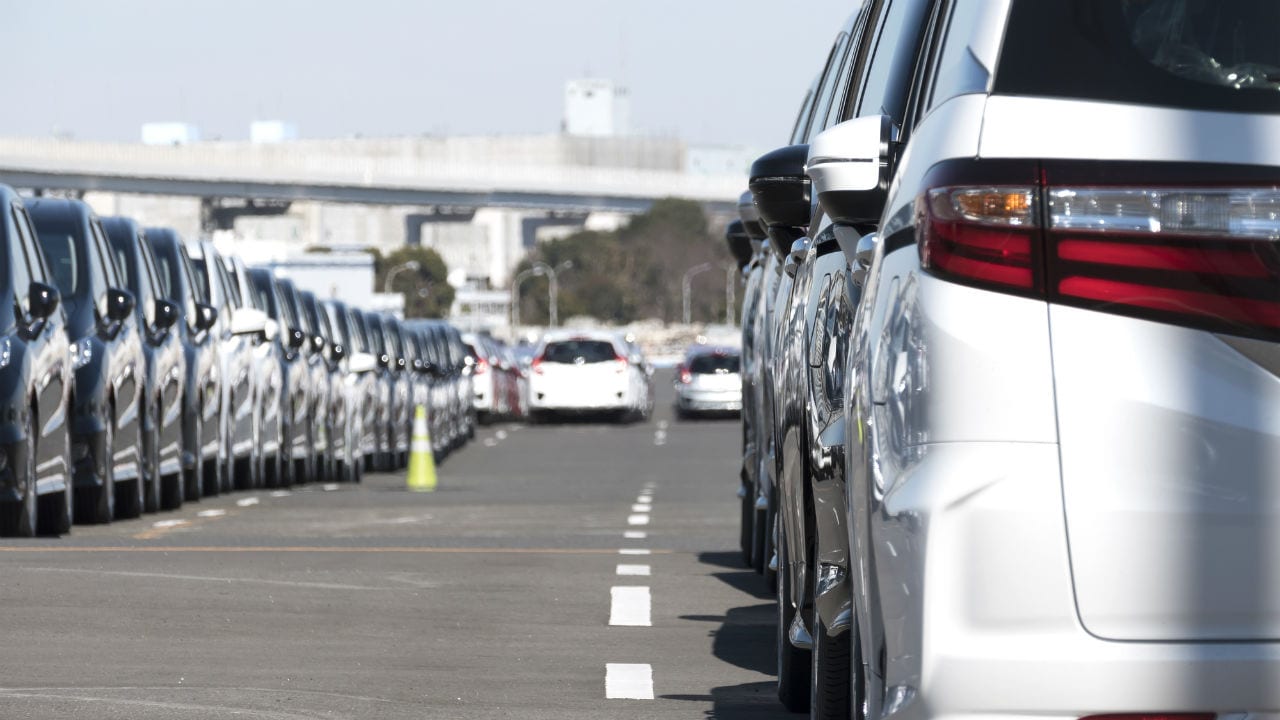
(1199,255)
(536,365)
(482,366)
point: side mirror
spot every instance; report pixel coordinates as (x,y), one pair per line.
(750,217)
(206,316)
(384,360)
(739,243)
(849,166)
(249,321)
(337,352)
(780,187)
(317,343)
(361,363)
(43,300)
(119,304)
(167,313)
(795,257)
(401,364)
(297,339)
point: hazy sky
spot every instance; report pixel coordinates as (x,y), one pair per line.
(695,68)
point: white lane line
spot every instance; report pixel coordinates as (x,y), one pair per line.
(206,578)
(650,486)
(629,606)
(633,551)
(641,508)
(281,493)
(624,681)
(247,502)
(490,442)
(168,523)
(662,424)
(635,534)
(633,570)
(645,497)
(216,512)
(637,519)
(501,434)
(329,487)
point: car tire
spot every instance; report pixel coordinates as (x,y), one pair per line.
(193,478)
(831,678)
(793,662)
(155,488)
(97,505)
(56,510)
(747,535)
(19,519)
(771,546)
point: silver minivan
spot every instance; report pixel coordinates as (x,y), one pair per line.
(1063,439)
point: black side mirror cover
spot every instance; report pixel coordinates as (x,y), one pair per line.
(43,300)
(167,313)
(119,304)
(296,339)
(206,316)
(781,188)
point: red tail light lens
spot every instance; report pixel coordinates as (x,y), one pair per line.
(536,365)
(686,377)
(1193,255)
(621,364)
(482,366)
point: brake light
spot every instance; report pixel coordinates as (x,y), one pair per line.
(1193,255)
(536,365)
(482,366)
(686,377)
(621,364)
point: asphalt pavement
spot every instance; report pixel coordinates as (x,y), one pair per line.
(575,570)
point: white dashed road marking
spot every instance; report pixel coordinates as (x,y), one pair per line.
(215,512)
(629,607)
(635,534)
(329,487)
(281,493)
(623,681)
(633,570)
(633,551)
(639,508)
(168,523)
(247,502)
(637,519)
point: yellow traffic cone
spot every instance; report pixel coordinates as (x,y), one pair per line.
(422,462)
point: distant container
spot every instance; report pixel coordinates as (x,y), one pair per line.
(169,133)
(266,132)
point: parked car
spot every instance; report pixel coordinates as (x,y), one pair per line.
(313,462)
(202,457)
(241,329)
(267,384)
(35,385)
(400,414)
(361,386)
(709,380)
(106,355)
(751,362)
(581,372)
(294,399)
(165,367)
(330,407)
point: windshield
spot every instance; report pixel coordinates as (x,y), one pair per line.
(571,352)
(1197,54)
(717,364)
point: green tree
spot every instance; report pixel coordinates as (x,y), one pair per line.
(426,292)
(634,273)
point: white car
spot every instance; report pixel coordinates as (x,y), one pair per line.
(585,372)
(709,380)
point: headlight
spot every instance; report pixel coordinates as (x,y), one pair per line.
(81,353)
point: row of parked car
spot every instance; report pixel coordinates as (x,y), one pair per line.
(139,371)
(1010,369)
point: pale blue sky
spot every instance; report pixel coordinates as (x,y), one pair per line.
(696,68)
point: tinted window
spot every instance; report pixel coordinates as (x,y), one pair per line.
(801,129)
(21,274)
(1220,55)
(827,89)
(717,364)
(578,352)
(64,263)
(957,71)
(201,277)
(887,84)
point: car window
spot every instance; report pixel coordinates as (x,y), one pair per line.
(801,129)
(111,270)
(21,273)
(1192,54)
(714,364)
(893,57)
(957,71)
(827,88)
(578,352)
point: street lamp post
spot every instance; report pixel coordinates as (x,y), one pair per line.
(413,265)
(538,269)
(686,284)
(515,296)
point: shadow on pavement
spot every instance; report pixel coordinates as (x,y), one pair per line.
(743,637)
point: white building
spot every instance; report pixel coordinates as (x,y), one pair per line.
(263,132)
(169,133)
(596,108)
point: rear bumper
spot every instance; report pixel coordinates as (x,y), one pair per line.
(709,401)
(566,401)
(979,611)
